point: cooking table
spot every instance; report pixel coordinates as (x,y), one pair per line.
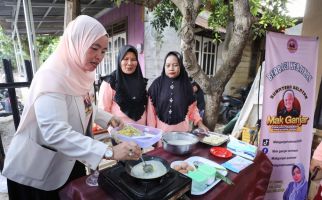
(251,183)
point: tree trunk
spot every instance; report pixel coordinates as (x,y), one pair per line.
(236,40)
(236,37)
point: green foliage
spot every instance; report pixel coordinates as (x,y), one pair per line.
(219,17)
(270,16)
(118,2)
(166,14)
(6,48)
(46,44)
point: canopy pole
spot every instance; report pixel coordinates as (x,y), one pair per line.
(72,10)
(31,35)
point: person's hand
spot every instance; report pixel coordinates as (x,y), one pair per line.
(116,122)
(315,163)
(127,151)
(158,144)
(202,126)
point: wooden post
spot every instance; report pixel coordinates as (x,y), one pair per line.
(72,10)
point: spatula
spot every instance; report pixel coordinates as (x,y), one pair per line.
(147,168)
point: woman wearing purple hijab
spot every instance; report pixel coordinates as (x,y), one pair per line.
(297,189)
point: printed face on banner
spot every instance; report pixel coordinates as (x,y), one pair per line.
(288,110)
(297,176)
(292,45)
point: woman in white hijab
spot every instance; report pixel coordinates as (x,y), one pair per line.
(51,146)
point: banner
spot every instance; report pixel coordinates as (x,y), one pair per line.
(288,111)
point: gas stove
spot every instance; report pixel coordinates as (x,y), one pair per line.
(116,182)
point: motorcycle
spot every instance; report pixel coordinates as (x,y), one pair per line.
(5,105)
(230,105)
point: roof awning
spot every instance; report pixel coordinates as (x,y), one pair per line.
(202,20)
(48,15)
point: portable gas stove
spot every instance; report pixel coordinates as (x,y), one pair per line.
(118,183)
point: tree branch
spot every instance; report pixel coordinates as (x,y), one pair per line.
(179,4)
(237,43)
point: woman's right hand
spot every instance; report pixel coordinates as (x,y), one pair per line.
(127,151)
(116,122)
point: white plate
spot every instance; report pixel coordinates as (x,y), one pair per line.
(220,139)
(208,162)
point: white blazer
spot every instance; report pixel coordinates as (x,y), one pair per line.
(44,154)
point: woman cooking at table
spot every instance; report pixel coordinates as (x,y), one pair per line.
(123,93)
(171,101)
(50,147)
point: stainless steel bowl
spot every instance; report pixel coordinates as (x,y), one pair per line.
(179,143)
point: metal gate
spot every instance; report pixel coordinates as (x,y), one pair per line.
(11,86)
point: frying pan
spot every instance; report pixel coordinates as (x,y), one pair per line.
(129,164)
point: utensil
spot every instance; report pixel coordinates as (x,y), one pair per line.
(314,173)
(147,168)
(218,174)
(171,142)
(200,132)
(144,135)
(129,164)
(164,140)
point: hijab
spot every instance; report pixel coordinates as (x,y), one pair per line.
(297,186)
(130,89)
(172,96)
(62,72)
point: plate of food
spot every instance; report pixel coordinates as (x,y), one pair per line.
(144,136)
(214,139)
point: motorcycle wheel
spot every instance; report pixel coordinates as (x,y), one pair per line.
(228,115)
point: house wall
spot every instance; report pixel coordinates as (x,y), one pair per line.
(155,49)
(312,27)
(135,24)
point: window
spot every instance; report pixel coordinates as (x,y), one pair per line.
(206,52)
(109,62)
(118,38)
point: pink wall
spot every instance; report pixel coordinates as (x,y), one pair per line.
(135,25)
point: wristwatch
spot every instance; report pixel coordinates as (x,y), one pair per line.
(108,153)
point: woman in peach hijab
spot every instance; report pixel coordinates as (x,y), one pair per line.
(51,146)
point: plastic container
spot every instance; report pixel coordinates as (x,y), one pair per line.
(209,171)
(153,135)
(199,180)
